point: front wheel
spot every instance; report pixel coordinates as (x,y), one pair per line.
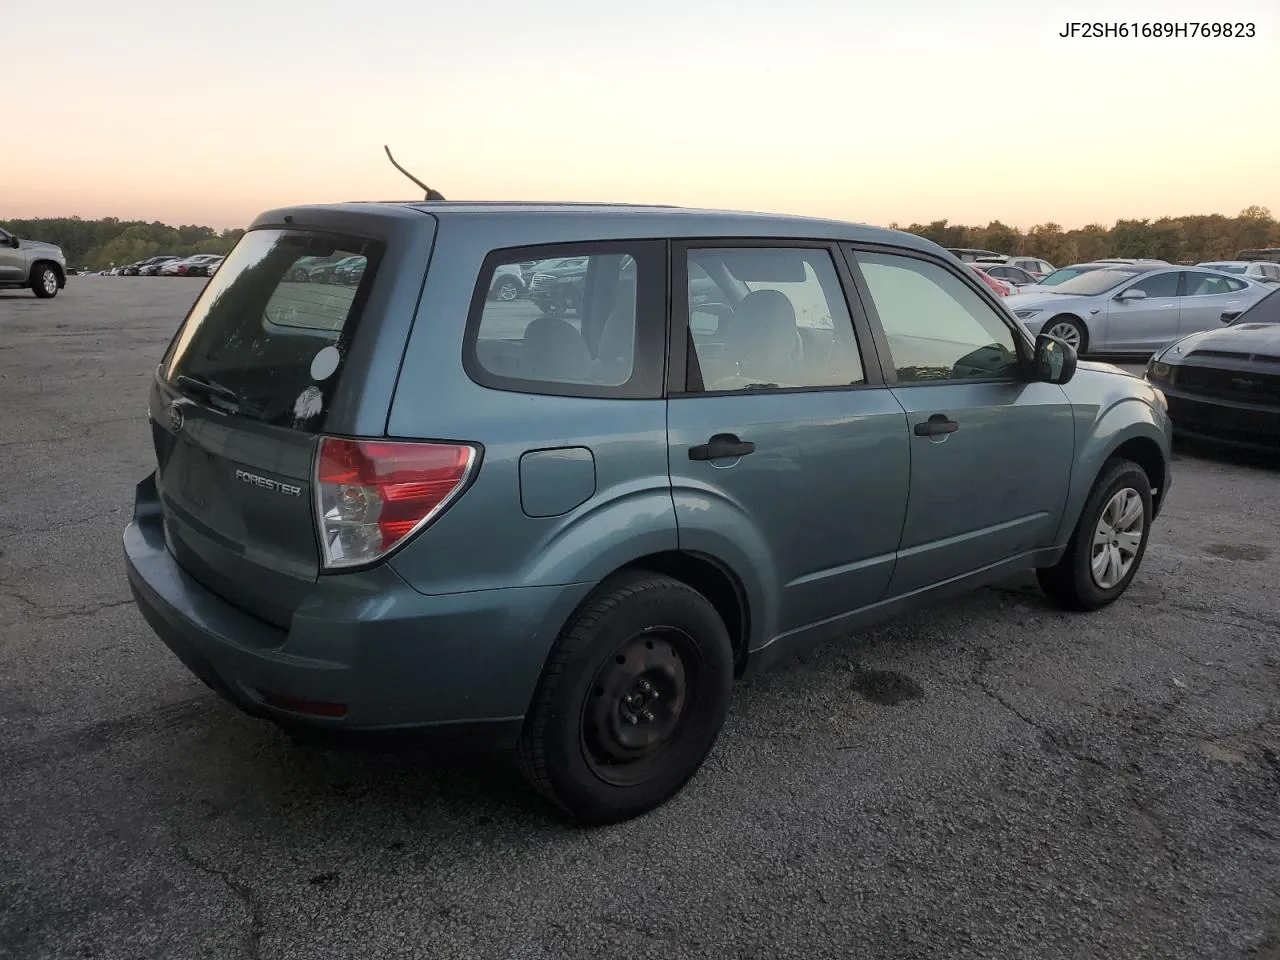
(1070,331)
(44,281)
(631,700)
(506,290)
(1108,544)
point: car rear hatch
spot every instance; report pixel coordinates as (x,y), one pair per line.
(258,371)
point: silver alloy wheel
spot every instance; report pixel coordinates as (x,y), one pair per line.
(507,291)
(1068,333)
(1117,537)
(49,281)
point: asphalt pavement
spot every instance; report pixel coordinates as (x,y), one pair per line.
(989,779)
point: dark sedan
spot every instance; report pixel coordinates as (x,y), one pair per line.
(1224,385)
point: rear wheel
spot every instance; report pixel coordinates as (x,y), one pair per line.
(1109,542)
(44,281)
(1070,331)
(631,700)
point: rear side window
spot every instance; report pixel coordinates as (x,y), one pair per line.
(583,320)
(267,337)
(785,326)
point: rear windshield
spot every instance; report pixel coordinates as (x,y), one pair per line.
(268,334)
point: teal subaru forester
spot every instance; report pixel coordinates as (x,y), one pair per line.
(561,515)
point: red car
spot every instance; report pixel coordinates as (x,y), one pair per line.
(999,286)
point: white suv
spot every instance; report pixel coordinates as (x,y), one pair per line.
(1259,270)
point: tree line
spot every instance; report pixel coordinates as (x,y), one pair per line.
(1189,239)
(95,244)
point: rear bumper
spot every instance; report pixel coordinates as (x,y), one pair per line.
(1255,426)
(460,667)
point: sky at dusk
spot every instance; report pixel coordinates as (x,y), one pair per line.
(906,111)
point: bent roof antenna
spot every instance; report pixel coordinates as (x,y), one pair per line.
(430,194)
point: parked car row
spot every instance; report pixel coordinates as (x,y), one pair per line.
(345,269)
(168,265)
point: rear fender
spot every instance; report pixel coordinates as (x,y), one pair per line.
(604,536)
(714,526)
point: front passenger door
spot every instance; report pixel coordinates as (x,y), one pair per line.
(12,261)
(991,451)
(1138,326)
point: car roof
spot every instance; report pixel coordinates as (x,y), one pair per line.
(615,220)
(1228,263)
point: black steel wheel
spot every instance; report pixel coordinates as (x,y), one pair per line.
(631,700)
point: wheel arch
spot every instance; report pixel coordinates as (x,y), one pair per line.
(1139,439)
(45,262)
(1080,321)
(713,579)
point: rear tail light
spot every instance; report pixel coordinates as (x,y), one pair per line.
(371,495)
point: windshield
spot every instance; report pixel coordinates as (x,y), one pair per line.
(1266,310)
(1094,282)
(1063,275)
(1225,267)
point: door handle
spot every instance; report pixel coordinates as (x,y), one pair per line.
(721,447)
(936,426)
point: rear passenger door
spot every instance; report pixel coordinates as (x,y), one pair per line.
(788,455)
(1207,296)
(991,450)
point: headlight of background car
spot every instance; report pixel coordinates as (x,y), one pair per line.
(1025,314)
(1157,370)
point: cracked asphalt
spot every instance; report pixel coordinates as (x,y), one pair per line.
(987,779)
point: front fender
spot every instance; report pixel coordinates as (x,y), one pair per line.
(1126,419)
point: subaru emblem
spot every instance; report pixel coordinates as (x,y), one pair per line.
(176,418)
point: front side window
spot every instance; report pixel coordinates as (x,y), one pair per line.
(574,326)
(1158,285)
(937,326)
(785,323)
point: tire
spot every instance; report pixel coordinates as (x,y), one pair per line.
(44,281)
(1078,339)
(638,635)
(506,290)
(1072,583)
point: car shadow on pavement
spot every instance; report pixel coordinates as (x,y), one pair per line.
(1227,454)
(258,773)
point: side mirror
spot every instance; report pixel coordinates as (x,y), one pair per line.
(14,241)
(1229,316)
(1055,361)
(1132,294)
